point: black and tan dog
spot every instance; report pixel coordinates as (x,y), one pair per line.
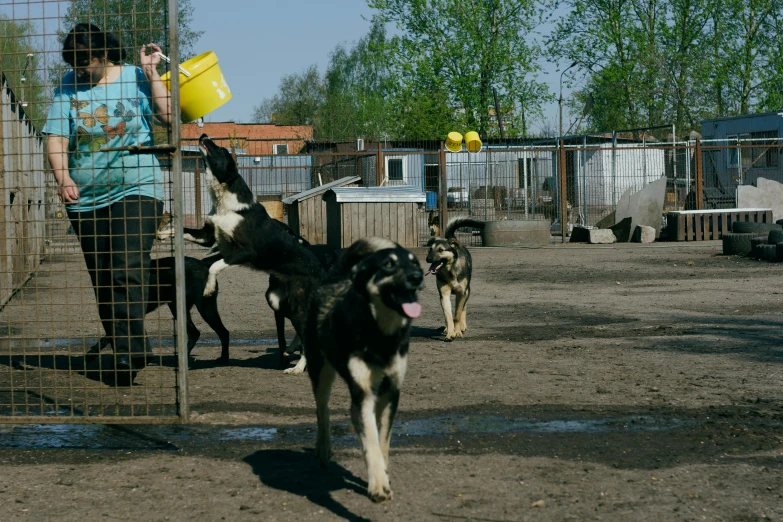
(162,290)
(453,267)
(358,326)
(433,222)
(287,297)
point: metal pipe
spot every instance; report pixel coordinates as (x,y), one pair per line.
(177,218)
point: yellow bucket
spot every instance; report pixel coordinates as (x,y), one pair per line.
(472,141)
(454,141)
(204,90)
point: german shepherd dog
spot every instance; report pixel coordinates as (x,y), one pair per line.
(358,325)
(433,221)
(452,265)
(162,289)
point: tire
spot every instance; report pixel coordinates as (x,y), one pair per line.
(775,237)
(748,227)
(737,244)
(779,222)
(779,252)
(755,251)
(768,252)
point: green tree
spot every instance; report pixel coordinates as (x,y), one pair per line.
(465,49)
(300,98)
(357,87)
(20,65)
(136,22)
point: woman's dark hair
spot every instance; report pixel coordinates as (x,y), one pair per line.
(86,41)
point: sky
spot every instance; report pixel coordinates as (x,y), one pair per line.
(259,42)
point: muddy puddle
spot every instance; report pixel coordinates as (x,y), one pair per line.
(173,437)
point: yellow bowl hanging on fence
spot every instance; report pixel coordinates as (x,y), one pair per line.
(204,90)
(472,141)
(454,141)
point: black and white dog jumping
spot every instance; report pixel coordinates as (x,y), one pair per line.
(244,233)
(358,326)
(241,227)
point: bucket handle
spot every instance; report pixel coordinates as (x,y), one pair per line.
(168,60)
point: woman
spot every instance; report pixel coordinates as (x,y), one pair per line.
(113,199)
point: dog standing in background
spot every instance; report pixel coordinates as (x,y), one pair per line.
(433,221)
(453,267)
(358,326)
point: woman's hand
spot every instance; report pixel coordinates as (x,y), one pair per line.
(67,190)
(160,94)
(149,62)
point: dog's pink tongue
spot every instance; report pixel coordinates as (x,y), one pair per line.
(412,310)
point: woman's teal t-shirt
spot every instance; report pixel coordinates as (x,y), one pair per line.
(115,115)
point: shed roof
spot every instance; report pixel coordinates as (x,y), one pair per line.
(320,190)
(395,194)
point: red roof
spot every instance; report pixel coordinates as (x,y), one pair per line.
(257,138)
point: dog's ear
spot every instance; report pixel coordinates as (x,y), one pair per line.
(361,273)
(453,243)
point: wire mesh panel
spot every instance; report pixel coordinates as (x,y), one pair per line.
(86,330)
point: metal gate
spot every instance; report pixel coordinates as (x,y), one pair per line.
(76,281)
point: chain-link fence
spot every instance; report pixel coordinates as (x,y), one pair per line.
(83,335)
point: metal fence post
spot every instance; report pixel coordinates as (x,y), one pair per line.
(177,219)
(699,175)
(562,187)
(444,188)
(379,165)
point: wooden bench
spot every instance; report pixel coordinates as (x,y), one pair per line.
(705,225)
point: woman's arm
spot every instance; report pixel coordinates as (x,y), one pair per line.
(57,147)
(161,97)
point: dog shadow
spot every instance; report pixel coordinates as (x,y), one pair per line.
(429,333)
(99,368)
(298,472)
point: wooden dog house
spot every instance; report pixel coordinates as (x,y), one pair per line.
(307,210)
(356,212)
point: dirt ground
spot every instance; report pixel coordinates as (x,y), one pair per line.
(622,382)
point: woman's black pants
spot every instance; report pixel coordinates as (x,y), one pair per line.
(116,241)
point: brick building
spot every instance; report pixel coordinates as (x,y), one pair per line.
(258,139)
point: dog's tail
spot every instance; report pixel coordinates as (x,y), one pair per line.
(455,224)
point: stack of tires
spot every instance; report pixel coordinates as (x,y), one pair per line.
(756,240)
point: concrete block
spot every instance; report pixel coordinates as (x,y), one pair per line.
(580,235)
(517,233)
(602,236)
(643,234)
(622,230)
(645,207)
(766,194)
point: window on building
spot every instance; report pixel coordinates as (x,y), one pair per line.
(765,153)
(395,169)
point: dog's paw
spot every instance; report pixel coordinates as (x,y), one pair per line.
(451,334)
(209,289)
(299,368)
(380,490)
(323,452)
